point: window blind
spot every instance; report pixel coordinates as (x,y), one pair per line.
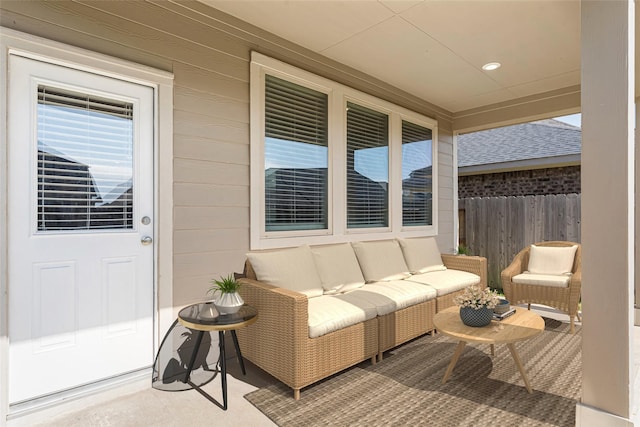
(296,157)
(85,161)
(367,167)
(417,173)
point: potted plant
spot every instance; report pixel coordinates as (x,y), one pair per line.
(476,305)
(463,250)
(225,292)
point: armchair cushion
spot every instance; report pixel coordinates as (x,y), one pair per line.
(551,260)
(292,269)
(381,260)
(422,254)
(338,268)
(554,280)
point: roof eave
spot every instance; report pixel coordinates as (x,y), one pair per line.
(526,164)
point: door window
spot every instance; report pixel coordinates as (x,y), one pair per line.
(85,161)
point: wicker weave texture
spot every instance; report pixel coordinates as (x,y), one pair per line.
(565,299)
(404,325)
(278,342)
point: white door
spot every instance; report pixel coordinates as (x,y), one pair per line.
(80,222)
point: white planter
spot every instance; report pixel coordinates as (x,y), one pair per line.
(228,303)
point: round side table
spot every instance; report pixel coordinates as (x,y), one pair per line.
(203,317)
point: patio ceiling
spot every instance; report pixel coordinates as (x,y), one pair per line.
(435,49)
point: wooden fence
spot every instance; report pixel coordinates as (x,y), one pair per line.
(499,227)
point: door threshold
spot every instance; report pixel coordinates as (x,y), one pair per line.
(60,402)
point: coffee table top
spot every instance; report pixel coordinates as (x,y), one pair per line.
(524,324)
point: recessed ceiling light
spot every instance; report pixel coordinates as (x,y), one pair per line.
(491,66)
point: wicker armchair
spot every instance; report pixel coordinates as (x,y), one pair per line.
(562,298)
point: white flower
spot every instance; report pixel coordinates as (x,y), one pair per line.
(476,298)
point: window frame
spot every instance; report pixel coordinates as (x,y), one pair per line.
(338,96)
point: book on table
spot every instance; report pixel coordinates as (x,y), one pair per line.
(504,315)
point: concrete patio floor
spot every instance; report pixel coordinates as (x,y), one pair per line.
(137,404)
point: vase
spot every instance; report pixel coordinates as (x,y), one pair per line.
(228,303)
(476,317)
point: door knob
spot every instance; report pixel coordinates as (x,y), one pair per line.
(146,240)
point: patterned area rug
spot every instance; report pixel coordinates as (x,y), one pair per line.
(405,389)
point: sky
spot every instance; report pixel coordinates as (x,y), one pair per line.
(573,119)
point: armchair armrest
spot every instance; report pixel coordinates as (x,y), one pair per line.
(516,267)
(472,264)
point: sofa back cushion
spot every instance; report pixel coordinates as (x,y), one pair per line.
(551,259)
(381,260)
(292,269)
(338,268)
(422,254)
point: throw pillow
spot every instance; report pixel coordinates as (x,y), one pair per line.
(381,260)
(551,259)
(292,269)
(338,268)
(422,254)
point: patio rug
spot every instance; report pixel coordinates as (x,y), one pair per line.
(405,390)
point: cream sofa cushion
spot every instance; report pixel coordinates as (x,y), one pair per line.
(381,260)
(551,260)
(389,296)
(329,313)
(338,268)
(422,254)
(554,280)
(293,269)
(446,281)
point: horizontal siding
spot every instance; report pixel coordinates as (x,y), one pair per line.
(446,191)
(207,172)
(209,81)
(208,52)
(214,104)
(194,241)
(191,124)
(206,149)
(190,194)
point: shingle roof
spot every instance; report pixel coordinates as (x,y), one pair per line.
(535,140)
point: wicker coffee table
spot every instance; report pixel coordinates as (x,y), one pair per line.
(521,326)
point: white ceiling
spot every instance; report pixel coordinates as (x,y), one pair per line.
(435,49)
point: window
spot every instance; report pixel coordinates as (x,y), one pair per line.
(417,175)
(85,161)
(367,167)
(332,164)
(295,157)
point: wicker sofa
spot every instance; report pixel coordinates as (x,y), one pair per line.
(325,308)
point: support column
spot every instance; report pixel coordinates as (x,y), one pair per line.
(608,235)
(637,215)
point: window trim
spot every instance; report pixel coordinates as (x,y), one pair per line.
(338,96)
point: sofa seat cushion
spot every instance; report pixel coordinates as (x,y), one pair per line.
(338,268)
(329,313)
(422,254)
(293,269)
(446,281)
(381,260)
(390,296)
(554,280)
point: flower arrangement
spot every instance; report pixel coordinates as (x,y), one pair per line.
(476,298)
